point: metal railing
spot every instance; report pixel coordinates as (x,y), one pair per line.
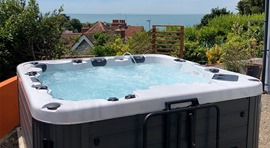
(191,122)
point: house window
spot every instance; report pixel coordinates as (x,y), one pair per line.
(82,46)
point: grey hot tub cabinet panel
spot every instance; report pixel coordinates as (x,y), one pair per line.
(239,124)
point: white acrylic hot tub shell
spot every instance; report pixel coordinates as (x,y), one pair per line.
(153,99)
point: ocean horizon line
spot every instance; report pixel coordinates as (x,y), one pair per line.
(125,14)
(145,20)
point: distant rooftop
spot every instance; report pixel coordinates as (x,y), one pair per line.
(98,27)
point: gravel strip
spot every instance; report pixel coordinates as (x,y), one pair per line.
(10,141)
(264,137)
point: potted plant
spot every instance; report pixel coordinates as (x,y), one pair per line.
(254,70)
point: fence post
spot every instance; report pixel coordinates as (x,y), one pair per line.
(154,38)
(182,42)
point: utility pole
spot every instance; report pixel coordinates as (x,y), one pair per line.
(149,22)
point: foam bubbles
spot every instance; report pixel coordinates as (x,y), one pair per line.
(114,81)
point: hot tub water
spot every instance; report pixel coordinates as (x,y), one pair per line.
(114,81)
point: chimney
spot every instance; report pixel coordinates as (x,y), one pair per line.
(121,31)
(85,28)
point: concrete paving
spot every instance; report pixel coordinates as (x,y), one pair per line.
(264,137)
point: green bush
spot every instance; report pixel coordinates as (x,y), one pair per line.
(191,34)
(207,36)
(235,53)
(100,51)
(109,45)
(214,13)
(225,22)
(194,52)
(101,41)
(214,55)
(226,31)
(26,34)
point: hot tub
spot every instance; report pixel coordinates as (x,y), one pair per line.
(217,108)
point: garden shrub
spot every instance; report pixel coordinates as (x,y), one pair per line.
(207,35)
(191,34)
(100,51)
(194,52)
(225,22)
(119,47)
(108,45)
(214,55)
(235,52)
(231,32)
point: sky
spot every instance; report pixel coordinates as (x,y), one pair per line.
(136,6)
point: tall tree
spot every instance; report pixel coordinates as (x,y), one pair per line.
(26,34)
(214,13)
(76,24)
(250,6)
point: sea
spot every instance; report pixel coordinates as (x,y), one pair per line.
(145,20)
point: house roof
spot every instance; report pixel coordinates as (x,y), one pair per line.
(98,27)
(85,28)
(130,30)
(70,38)
(74,39)
(80,40)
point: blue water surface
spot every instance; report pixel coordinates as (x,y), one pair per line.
(114,81)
